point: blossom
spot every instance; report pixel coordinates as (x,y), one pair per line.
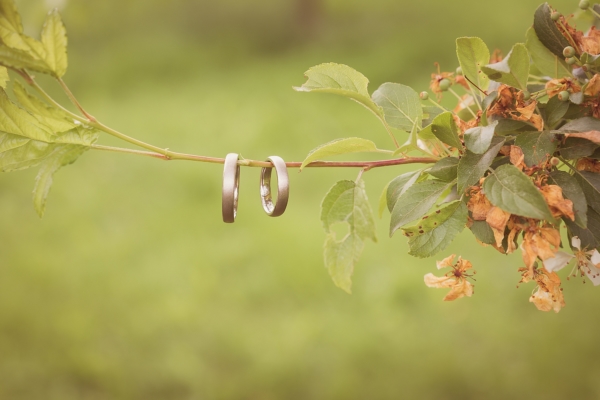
(548,295)
(559,206)
(542,242)
(510,103)
(456,279)
(587,261)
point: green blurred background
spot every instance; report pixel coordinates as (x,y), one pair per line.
(131,287)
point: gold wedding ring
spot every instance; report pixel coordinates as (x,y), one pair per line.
(283,187)
(231,182)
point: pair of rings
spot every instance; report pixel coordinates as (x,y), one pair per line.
(231,183)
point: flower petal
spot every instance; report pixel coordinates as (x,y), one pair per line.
(459,290)
(592,273)
(576,242)
(558,261)
(439,281)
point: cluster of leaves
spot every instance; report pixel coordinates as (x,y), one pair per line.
(518,157)
(33,133)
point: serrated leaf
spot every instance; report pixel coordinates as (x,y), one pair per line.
(54,39)
(547,32)
(448,222)
(590,184)
(12,19)
(19,122)
(547,62)
(590,235)
(513,70)
(444,128)
(20,59)
(401,106)
(479,138)
(338,147)
(471,166)
(511,190)
(398,186)
(508,126)
(555,110)
(483,232)
(576,148)
(536,146)
(54,118)
(571,190)
(341,80)
(61,156)
(415,202)
(4,78)
(472,55)
(445,169)
(346,202)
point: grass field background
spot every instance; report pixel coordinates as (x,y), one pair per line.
(131,287)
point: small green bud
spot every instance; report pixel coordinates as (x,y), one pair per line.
(555,16)
(571,60)
(445,84)
(459,71)
(526,95)
(584,4)
(424,95)
(554,161)
(564,96)
(568,51)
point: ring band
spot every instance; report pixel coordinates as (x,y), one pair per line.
(231,182)
(283,187)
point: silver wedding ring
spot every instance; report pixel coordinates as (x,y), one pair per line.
(231,182)
(283,187)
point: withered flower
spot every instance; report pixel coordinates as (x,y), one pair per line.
(510,104)
(559,206)
(555,86)
(456,279)
(588,261)
(542,242)
(497,220)
(548,295)
(478,204)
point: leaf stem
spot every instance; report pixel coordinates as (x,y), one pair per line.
(255,163)
(66,89)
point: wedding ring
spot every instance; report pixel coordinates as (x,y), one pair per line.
(231,182)
(283,187)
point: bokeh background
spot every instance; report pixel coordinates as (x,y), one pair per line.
(131,287)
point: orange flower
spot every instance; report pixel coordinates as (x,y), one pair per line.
(497,220)
(478,204)
(588,164)
(559,206)
(593,86)
(539,242)
(510,104)
(456,279)
(436,78)
(517,158)
(591,42)
(549,294)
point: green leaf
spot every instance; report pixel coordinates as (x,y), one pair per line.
(429,113)
(9,16)
(572,191)
(472,55)
(536,146)
(483,232)
(415,202)
(584,124)
(590,236)
(547,62)
(383,201)
(555,110)
(54,39)
(398,186)
(445,169)
(19,122)
(511,190)
(339,146)
(57,120)
(447,223)
(576,148)
(346,202)
(507,126)
(21,59)
(444,128)
(61,156)
(401,106)
(341,80)
(513,70)
(479,139)
(590,184)
(547,32)
(471,166)
(4,78)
